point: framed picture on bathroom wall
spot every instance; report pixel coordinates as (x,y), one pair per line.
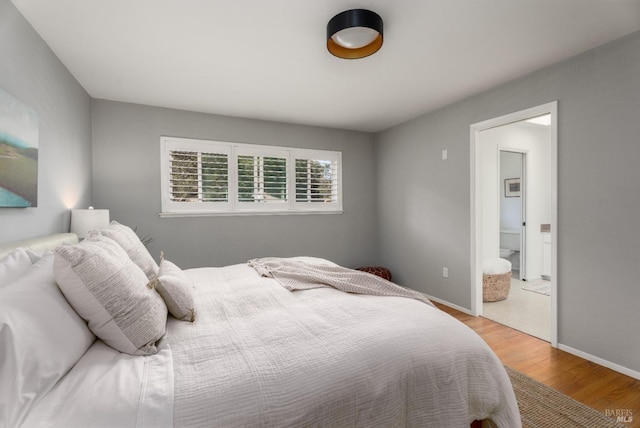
(512,188)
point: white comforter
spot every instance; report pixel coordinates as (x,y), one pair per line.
(260,355)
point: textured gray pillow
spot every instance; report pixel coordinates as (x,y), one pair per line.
(132,244)
(112,294)
(177,291)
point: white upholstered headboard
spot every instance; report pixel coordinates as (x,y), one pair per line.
(40,243)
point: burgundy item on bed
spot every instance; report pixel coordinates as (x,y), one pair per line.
(380,271)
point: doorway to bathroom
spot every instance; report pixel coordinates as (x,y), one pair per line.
(514,216)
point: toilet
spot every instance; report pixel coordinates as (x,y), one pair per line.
(510,245)
(505,253)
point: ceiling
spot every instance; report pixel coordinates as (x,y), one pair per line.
(267,59)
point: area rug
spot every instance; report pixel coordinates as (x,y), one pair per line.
(543,407)
(544,288)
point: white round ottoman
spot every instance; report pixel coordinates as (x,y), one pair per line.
(496,279)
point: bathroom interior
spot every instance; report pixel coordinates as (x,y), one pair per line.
(517,158)
(511,202)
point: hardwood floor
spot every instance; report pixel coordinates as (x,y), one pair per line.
(596,386)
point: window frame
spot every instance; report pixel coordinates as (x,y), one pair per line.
(233,206)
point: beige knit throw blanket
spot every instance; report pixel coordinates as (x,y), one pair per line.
(298,275)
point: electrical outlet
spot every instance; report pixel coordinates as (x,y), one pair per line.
(445,272)
(445,154)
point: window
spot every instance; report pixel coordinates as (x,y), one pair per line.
(316,180)
(199,177)
(211,177)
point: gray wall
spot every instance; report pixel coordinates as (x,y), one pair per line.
(30,72)
(423,202)
(126,174)
(422,209)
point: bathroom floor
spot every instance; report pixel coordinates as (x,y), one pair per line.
(523,310)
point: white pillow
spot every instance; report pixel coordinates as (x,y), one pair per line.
(13,265)
(41,338)
(112,294)
(177,291)
(132,244)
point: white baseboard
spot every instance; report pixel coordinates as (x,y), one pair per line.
(602,362)
(451,305)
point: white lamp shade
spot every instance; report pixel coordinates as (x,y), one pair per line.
(84,221)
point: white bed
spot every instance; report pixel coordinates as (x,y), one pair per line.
(260,355)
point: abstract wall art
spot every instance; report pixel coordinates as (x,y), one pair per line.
(18,153)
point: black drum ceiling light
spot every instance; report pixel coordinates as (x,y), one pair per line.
(354,34)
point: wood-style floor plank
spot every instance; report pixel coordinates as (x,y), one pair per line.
(594,385)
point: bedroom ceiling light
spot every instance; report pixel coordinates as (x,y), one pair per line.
(354,34)
(84,221)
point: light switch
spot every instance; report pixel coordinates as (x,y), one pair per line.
(444,154)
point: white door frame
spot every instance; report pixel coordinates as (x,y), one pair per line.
(476,207)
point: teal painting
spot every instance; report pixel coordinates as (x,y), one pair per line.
(18,153)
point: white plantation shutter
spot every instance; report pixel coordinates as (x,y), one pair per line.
(198,177)
(195,176)
(316,181)
(202,177)
(262,179)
